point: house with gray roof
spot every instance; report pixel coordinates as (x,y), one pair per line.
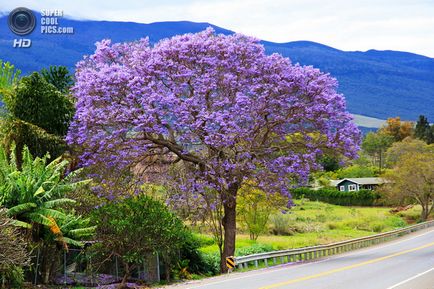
(357,184)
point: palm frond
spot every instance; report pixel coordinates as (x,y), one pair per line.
(39,218)
(82,232)
(21,224)
(51,212)
(58,203)
(19,209)
(70,241)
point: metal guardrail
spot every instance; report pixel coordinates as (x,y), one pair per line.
(315,252)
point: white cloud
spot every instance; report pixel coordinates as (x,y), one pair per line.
(406,25)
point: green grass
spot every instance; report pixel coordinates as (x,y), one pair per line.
(315,223)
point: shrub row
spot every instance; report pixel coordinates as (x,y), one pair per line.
(333,196)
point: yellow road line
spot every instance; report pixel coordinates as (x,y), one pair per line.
(326,273)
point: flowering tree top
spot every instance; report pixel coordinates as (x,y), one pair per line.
(216,102)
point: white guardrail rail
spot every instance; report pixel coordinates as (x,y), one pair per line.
(315,252)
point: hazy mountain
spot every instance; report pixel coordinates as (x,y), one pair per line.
(379,84)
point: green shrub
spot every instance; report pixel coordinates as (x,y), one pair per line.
(38,141)
(333,196)
(281,225)
(138,226)
(378,227)
(12,277)
(395,222)
(254,249)
(198,263)
(204,240)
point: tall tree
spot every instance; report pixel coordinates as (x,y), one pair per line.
(38,116)
(217,104)
(40,103)
(413,179)
(376,144)
(424,131)
(422,126)
(58,76)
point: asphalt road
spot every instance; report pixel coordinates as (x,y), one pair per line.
(406,263)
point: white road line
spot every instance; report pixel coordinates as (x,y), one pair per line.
(412,278)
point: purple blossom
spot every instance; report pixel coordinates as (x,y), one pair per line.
(217,102)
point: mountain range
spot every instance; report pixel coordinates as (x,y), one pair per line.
(378,84)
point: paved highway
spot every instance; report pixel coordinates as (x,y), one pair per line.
(406,263)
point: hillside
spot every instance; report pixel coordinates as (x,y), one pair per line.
(378,84)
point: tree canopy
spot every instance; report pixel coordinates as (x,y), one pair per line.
(412,179)
(216,103)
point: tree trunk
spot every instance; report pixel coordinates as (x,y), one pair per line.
(126,276)
(49,261)
(425,212)
(230,226)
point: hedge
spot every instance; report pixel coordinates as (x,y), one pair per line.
(333,196)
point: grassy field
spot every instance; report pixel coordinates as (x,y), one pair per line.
(314,223)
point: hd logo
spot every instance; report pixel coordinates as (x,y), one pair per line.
(22,22)
(22,43)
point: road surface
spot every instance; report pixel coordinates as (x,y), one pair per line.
(406,263)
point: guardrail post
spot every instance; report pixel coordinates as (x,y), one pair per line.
(266,262)
(256,264)
(282,260)
(274,261)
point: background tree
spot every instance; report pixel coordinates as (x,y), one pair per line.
(217,104)
(423,130)
(9,77)
(376,144)
(413,179)
(40,103)
(255,207)
(357,171)
(38,116)
(58,76)
(330,163)
(407,146)
(135,227)
(397,129)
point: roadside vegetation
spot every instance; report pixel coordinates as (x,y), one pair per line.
(312,223)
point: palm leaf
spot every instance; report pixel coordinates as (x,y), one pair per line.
(39,191)
(22,208)
(51,212)
(82,232)
(40,219)
(58,203)
(21,224)
(70,241)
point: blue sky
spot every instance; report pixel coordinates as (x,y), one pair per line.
(406,25)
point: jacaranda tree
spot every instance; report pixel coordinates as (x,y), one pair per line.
(217,103)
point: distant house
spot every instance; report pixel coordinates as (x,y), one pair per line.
(357,184)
